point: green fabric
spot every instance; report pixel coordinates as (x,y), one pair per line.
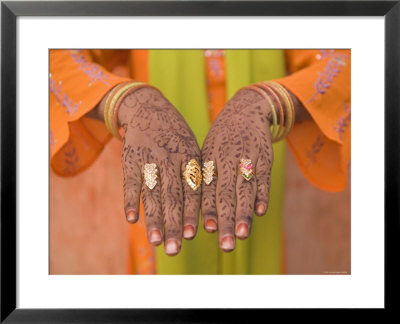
(180,75)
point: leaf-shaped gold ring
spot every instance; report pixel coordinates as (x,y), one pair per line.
(192,174)
(150,175)
(208,172)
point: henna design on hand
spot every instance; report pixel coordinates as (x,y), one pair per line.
(155,132)
(241,130)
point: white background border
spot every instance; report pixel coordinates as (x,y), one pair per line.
(363,288)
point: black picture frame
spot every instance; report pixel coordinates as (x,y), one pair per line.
(10,10)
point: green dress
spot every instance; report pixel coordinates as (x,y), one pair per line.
(180,75)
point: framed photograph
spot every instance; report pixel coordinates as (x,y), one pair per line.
(311,70)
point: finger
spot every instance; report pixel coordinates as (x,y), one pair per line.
(226,204)
(151,197)
(191,201)
(245,199)
(172,205)
(132,184)
(263,172)
(208,200)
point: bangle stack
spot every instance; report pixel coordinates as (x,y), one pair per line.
(113,102)
(284,105)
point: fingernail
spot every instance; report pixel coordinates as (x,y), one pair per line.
(211,225)
(228,244)
(171,247)
(261,209)
(132,216)
(242,230)
(155,237)
(188,232)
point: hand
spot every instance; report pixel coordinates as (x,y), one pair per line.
(241,130)
(155,132)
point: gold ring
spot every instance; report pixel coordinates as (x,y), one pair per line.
(150,175)
(246,169)
(208,172)
(192,174)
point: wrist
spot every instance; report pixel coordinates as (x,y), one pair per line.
(300,111)
(265,102)
(132,101)
(269,109)
(126,109)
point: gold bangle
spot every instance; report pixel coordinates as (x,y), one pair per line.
(108,100)
(293,114)
(109,114)
(115,98)
(290,109)
(114,117)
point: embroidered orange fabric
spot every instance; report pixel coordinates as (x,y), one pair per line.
(321,80)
